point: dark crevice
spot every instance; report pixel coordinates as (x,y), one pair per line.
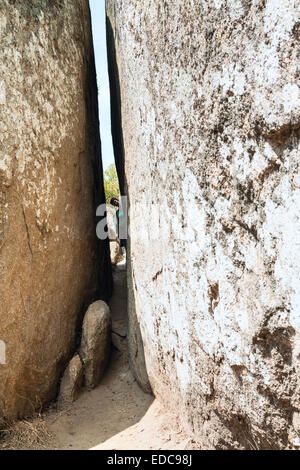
(115,106)
(104,271)
(135,341)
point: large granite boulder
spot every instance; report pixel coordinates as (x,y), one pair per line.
(51,263)
(206,95)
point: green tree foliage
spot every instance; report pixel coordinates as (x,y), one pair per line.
(111,183)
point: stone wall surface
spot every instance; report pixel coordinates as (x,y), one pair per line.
(51,264)
(210,118)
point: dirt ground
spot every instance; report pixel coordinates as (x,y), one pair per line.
(116,415)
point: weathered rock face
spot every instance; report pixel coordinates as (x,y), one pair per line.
(210,119)
(71,383)
(95,343)
(51,265)
(136,353)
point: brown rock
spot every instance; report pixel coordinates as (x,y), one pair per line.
(95,343)
(51,263)
(71,382)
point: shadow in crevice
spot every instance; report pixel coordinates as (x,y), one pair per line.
(116,404)
(135,342)
(115,106)
(102,257)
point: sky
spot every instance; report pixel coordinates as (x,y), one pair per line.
(98,22)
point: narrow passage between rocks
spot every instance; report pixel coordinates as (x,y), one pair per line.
(117,414)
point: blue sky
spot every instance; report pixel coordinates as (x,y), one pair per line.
(98,21)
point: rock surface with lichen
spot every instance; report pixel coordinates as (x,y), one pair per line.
(51,264)
(210,112)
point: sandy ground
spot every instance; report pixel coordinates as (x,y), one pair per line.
(155,431)
(117,414)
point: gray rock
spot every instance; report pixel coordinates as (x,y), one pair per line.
(95,343)
(71,382)
(112,222)
(136,353)
(115,252)
(206,95)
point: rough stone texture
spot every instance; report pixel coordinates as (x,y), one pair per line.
(71,382)
(112,223)
(210,120)
(114,245)
(115,252)
(51,264)
(136,353)
(95,343)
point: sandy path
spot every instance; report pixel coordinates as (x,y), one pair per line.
(116,404)
(117,414)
